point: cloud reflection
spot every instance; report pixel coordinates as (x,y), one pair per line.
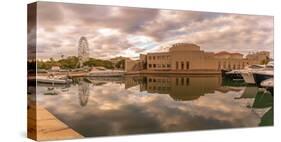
(113,110)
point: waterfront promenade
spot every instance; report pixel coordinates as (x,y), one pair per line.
(43,126)
(192,72)
(71,74)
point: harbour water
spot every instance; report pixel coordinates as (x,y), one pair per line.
(153,104)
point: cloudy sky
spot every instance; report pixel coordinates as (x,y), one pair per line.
(123,31)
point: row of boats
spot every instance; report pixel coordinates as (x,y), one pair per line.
(260,75)
(64,79)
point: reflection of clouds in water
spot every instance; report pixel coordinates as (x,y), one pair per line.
(112,110)
(224,108)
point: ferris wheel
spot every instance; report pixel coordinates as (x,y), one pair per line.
(83,50)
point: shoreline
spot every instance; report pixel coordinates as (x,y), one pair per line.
(196,72)
(193,72)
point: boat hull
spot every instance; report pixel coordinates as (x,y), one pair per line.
(233,76)
(268,85)
(248,77)
(270,89)
(261,77)
(54,81)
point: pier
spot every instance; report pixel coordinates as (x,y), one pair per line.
(43,126)
(194,72)
(70,74)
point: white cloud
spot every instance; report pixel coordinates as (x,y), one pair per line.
(122,31)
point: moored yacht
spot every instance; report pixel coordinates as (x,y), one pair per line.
(244,74)
(52,79)
(268,84)
(262,75)
(248,72)
(248,75)
(234,75)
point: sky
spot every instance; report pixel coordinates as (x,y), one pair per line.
(124,31)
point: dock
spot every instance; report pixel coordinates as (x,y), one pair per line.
(70,74)
(43,126)
(191,72)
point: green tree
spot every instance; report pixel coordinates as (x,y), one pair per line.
(97,62)
(69,63)
(72,62)
(120,64)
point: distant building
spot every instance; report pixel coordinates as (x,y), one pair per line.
(185,57)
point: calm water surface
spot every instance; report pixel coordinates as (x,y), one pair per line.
(151,104)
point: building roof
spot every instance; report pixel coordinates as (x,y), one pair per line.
(185,47)
(184,44)
(236,54)
(223,53)
(227,53)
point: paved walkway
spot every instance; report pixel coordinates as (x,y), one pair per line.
(46,126)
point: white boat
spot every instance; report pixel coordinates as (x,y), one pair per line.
(262,75)
(244,74)
(106,73)
(247,73)
(248,77)
(268,84)
(234,74)
(53,79)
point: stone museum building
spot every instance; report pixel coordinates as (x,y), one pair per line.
(186,57)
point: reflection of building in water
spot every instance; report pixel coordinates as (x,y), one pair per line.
(133,81)
(179,87)
(84,92)
(184,57)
